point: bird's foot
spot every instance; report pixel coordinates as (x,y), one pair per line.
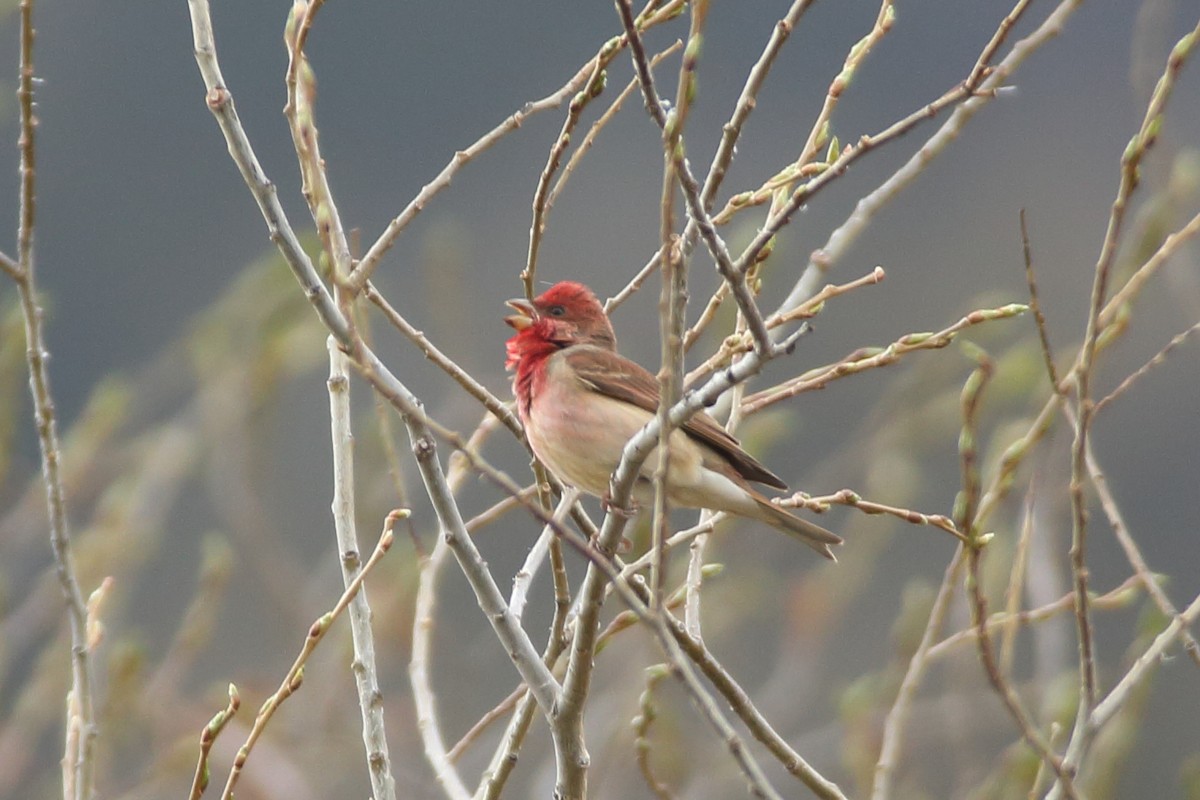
(625,512)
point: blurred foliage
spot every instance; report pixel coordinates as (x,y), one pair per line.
(199,483)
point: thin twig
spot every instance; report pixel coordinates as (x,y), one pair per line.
(648,713)
(967,99)
(503,707)
(1035,305)
(537,554)
(965,507)
(1140,372)
(590,138)
(846,497)
(737,344)
(776,188)
(208,738)
(1118,597)
(1129,545)
(691,188)
(79,757)
(1124,296)
(1015,589)
(371,259)
(1153,655)
(420,662)
(747,100)
(870,358)
(731,131)
(590,90)
(464,379)
(291,682)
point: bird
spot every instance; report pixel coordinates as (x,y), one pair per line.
(580,401)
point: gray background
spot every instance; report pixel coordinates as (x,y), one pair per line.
(143,221)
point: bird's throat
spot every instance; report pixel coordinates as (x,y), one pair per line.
(527,353)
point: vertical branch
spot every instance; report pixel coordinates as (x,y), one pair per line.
(1016,579)
(300,113)
(730,132)
(542,684)
(734,276)
(366,673)
(81,732)
(964,514)
(27,193)
(673,298)
(1131,161)
(670,377)
(1035,306)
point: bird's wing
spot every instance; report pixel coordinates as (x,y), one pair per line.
(615,376)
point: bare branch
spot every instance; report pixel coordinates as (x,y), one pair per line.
(1036,306)
(79,757)
(291,682)
(1118,597)
(366,672)
(1156,360)
(869,358)
(1131,160)
(208,738)
(968,98)
(590,138)
(493,404)
(691,188)
(220,102)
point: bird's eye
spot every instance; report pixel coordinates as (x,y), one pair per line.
(556,311)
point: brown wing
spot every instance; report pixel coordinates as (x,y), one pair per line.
(614,375)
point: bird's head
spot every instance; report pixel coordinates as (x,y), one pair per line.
(566,314)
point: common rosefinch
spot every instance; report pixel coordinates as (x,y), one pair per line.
(580,402)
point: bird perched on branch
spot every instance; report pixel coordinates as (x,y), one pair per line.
(580,402)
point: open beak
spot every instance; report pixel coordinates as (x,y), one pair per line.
(525,315)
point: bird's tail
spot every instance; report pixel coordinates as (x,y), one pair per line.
(810,533)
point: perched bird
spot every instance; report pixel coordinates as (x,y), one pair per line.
(580,402)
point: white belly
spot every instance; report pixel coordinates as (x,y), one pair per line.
(580,434)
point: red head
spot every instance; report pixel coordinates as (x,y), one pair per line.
(565,314)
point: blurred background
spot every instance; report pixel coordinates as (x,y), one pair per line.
(190,374)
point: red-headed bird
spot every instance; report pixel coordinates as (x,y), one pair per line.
(580,402)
